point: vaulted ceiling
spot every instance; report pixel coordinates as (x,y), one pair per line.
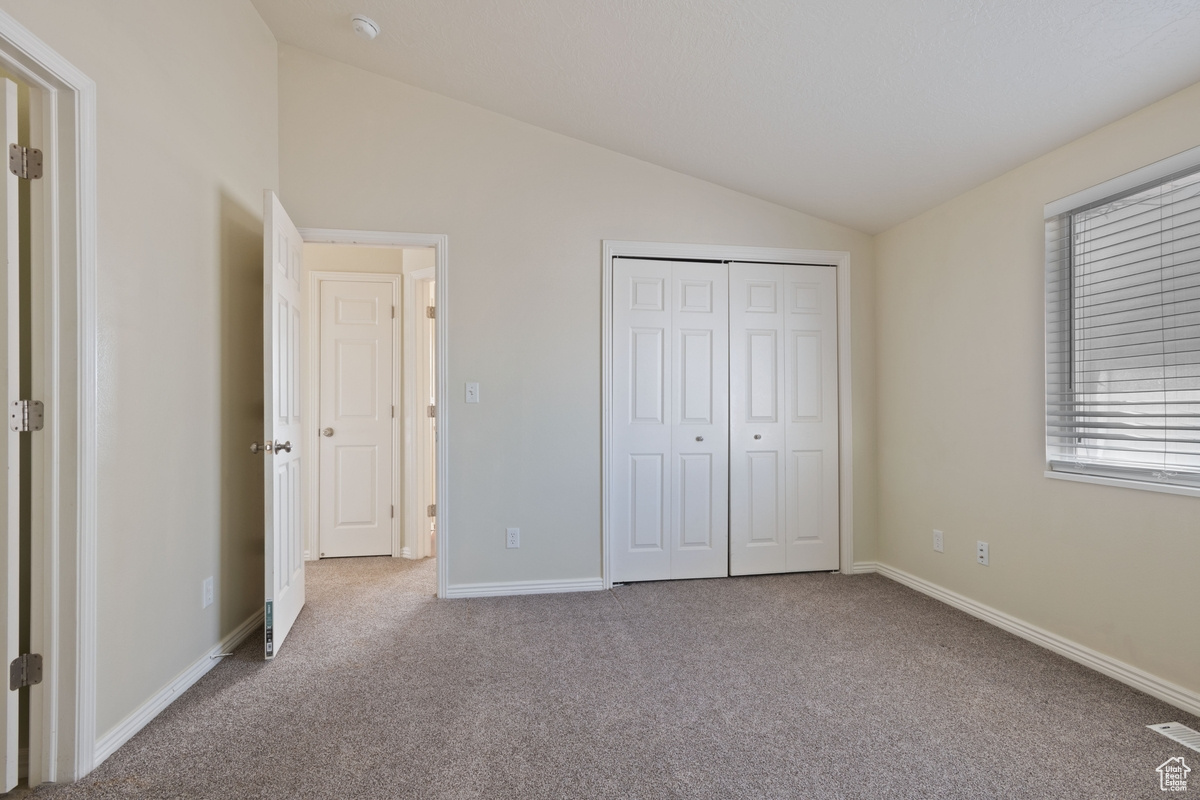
(863,112)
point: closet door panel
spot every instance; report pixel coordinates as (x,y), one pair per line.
(757,442)
(812,424)
(640,494)
(700,421)
(784,427)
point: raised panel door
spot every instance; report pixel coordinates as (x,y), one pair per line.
(356,418)
(783,426)
(282,330)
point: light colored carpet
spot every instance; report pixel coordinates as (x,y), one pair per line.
(798,686)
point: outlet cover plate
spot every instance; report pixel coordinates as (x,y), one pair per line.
(981,553)
(938,541)
(206,590)
(512,538)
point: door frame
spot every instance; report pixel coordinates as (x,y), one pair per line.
(415,543)
(312,388)
(440,243)
(839,259)
(62,718)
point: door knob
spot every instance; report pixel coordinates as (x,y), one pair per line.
(699,438)
(758,436)
(257,448)
(285,447)
(327,431)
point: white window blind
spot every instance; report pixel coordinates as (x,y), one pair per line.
(1123,334)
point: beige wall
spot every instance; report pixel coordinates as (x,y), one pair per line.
(526,211)
(188,140)
(353,258)
(961,416)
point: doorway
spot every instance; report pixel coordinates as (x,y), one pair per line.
(50,571)
(372,368)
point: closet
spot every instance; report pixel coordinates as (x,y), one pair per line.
(724,455)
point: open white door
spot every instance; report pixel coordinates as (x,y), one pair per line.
(283,326)
(10,552)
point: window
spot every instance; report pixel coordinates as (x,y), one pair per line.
(1123,327)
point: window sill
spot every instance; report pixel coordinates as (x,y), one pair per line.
(1124,483)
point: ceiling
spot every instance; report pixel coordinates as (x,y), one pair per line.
(863,112)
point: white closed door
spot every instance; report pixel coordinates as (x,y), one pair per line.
(10,442)
(356,418)
(283,328)
(783,418)
(669,495)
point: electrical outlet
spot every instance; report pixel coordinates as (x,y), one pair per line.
(512,538)
(937,541)
(206,591)
(981,552)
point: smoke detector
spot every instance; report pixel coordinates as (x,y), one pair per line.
(364,26)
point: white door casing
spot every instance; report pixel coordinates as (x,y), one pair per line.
(10,553)
(783,418)
(428,438)
(282,332)
(670,420)
(356,419)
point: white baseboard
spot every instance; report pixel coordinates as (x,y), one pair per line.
(1143,681)
(862,568)
(524,587)
(406,552)
(108,744)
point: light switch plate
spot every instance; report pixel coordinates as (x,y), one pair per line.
(472,392)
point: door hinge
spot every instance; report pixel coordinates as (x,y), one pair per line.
(393,512)
(431,511)
(429,312)
(393,312)
(393,412)
(25,670)
(432,411)
(25,162)
(26,415)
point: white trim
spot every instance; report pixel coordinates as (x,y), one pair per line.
(127,728)
(416,425)
(1157,171)
(862,568)
(63,624)
(1124,483)
(1141,680)
(441,245)
(312,363)
(836,258)
(525,587)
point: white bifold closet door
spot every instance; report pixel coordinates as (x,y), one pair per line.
(670,445)
(783,418)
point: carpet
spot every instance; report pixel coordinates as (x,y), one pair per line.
(787,686)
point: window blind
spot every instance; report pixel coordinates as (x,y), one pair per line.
(1123,335)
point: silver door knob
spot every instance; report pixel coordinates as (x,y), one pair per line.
(285,447)
(699,438)
(327,431)
(257,448)
(758,436)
